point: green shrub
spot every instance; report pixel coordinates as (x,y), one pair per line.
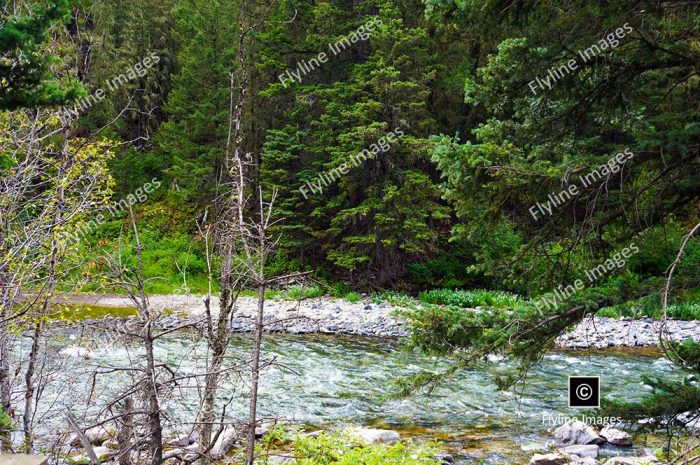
(301,293)
(352,297)
(397,299)
(6,425)
(342,449)
(469,299)
(685,311)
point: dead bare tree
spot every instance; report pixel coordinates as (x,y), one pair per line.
(46,188)
(149,375)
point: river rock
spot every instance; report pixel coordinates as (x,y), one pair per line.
(278,459)
(576,460)
(103,454)
(587,451)
(631,460)
(375,436)
(96,435)
(444,459)
(111,443)
(616,437)
(224,442)
(186,439)
(548,459)
(577,433)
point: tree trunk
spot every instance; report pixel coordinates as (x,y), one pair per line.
(255,376)
(30,388)
(155,431)
(125,434)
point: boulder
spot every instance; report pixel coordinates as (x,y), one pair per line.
(445,459)
(96,435)
(616,437)
(548,459)
(577,433)
(587,451)
(224,442)
(631,460)
(111,443)
(103,454)
(186,439)
(24,459)
(375,436)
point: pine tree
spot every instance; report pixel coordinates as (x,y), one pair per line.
(27,78)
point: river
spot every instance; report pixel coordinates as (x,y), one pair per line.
(327,382)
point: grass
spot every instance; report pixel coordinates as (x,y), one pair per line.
(469,298)
(686,311)
(301,293)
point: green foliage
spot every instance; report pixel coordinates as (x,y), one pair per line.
(383,214)
(469,299)
(27,79)
(352,297)
(303,292)
(447,269)
(343,449)
(6,424)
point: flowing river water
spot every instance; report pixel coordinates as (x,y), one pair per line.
(329,382)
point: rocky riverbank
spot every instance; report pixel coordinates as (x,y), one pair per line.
(337,316)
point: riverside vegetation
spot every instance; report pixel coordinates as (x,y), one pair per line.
(471,218)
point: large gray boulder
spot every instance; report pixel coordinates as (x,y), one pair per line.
(577,433)
(616,437)
(224,443)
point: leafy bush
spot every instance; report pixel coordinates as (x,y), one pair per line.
(352,297)
(342,449)
(685,311)
(301,293)
(397,299)
(469,299)
(6,425)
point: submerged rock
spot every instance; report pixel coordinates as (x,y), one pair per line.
(616,437)
(577,433)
